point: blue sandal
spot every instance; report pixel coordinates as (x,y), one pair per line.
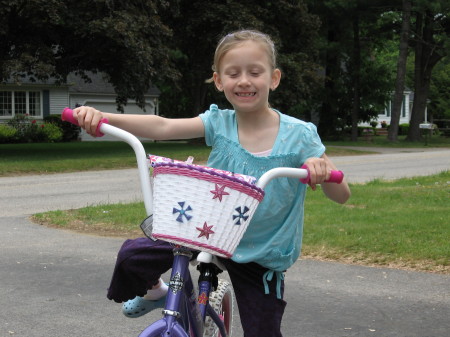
(139,306)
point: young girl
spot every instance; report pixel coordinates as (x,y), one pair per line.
(250,139)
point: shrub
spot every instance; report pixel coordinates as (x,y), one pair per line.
(70,132)
(28,130)
(51,132)
(7,134)
(21,123)
(403,129)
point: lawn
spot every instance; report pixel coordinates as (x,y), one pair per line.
(42,158)
(401,223)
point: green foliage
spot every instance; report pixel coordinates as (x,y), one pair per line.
(199,25)
(403,129)
(48,39)
(439,105)
(23,129)
(171,44)
(7,134)
(51,132)
(70,131)
(352,39)
(21,123)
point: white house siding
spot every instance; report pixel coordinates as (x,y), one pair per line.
(405,114)
(59,99)
(107,103)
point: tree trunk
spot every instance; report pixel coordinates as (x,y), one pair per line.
(401,72)
(199,95)
(426,58)
(328,109)
(356,77)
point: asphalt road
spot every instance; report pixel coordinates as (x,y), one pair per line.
(53,282)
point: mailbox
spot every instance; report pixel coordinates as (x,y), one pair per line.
(426,126)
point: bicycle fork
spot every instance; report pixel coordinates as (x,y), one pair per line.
(184,309)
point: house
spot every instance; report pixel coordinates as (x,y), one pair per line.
(405,113)
(42,99)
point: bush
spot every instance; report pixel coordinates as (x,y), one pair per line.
(21,124)
(7,134)
(52,133)
(403,129)
(22,129)
(70,132)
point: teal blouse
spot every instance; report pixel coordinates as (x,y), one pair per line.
(274,236)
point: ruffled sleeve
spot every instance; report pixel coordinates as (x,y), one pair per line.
(208,118)
(311,144)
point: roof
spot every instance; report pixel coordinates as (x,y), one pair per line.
(99,84)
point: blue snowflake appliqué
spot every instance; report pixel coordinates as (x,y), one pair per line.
(241,215)
(183,212)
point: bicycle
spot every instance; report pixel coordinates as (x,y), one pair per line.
(208,312)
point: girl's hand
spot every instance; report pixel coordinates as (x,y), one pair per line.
(88,118)
(319,171)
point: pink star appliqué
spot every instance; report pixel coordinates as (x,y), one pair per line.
(219,192)
(205,231)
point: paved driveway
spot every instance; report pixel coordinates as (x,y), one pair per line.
(53,282)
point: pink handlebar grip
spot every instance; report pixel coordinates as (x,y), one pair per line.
(67,116)
(335,176)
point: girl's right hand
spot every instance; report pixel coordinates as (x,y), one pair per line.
(88,118)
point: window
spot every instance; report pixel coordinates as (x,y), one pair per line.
(34,103)
(20,102)
(388,108)
(404,106)
(387,111)
(5,103)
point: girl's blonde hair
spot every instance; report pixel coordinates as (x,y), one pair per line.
(234,39)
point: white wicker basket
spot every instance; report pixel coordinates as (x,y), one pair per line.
(202,208)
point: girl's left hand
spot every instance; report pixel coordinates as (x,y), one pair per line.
(319,171)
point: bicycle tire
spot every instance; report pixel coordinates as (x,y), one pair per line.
(222,301)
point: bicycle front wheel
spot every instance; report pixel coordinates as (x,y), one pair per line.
(222,301)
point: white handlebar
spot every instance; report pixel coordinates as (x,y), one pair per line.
(144,176)
(277,172)
(141,158)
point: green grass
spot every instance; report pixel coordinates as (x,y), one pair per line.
(43,158)
(403,223)
(382,141)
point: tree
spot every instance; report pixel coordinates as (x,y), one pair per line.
(431,44)
(355,85)
(401,71)
(197,28)
(439,99)
(48,39)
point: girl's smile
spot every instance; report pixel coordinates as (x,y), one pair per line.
(246,77)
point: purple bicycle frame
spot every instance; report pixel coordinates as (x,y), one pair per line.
(182,308)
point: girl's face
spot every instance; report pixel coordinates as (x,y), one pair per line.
(246,77)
